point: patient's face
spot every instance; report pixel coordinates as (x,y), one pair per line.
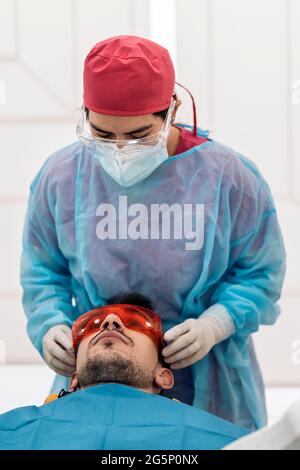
(119,354)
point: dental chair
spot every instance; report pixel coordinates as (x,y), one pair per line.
(282,435)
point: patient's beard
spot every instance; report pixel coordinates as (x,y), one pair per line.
(114,368)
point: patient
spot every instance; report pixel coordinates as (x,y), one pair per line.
(121,343)
(114,401)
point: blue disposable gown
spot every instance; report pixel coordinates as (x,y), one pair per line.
(67,268)
(114,417)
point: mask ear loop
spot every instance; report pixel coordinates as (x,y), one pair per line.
(194,109)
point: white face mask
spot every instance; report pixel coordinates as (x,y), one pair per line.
(134,161)
(132,164)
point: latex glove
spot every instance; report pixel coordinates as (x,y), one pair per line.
(58,350)
(194,338)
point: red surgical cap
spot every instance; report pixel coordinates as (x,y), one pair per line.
(128,76)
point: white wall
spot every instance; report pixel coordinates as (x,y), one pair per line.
(240,59)
(43,44)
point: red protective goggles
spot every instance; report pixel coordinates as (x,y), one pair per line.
(133,317)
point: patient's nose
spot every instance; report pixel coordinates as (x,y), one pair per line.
(112,322)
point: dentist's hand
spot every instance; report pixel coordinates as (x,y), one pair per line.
(58,350)
(191,340)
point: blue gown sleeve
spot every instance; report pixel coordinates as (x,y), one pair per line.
(44,272)
(252,284)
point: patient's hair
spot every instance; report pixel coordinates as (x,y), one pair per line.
(135,298)
(131,298)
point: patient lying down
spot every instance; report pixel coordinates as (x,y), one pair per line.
(114,400)
(121,343)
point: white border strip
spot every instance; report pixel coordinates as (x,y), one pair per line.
(163,26)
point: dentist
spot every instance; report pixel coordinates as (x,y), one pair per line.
(210,299)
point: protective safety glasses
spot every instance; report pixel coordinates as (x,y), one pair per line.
(133,317)
(88,136)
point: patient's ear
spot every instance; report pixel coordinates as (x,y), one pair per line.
(74,382)
(164,378)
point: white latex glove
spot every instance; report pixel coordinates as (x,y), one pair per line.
(58,350)
(194,338)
